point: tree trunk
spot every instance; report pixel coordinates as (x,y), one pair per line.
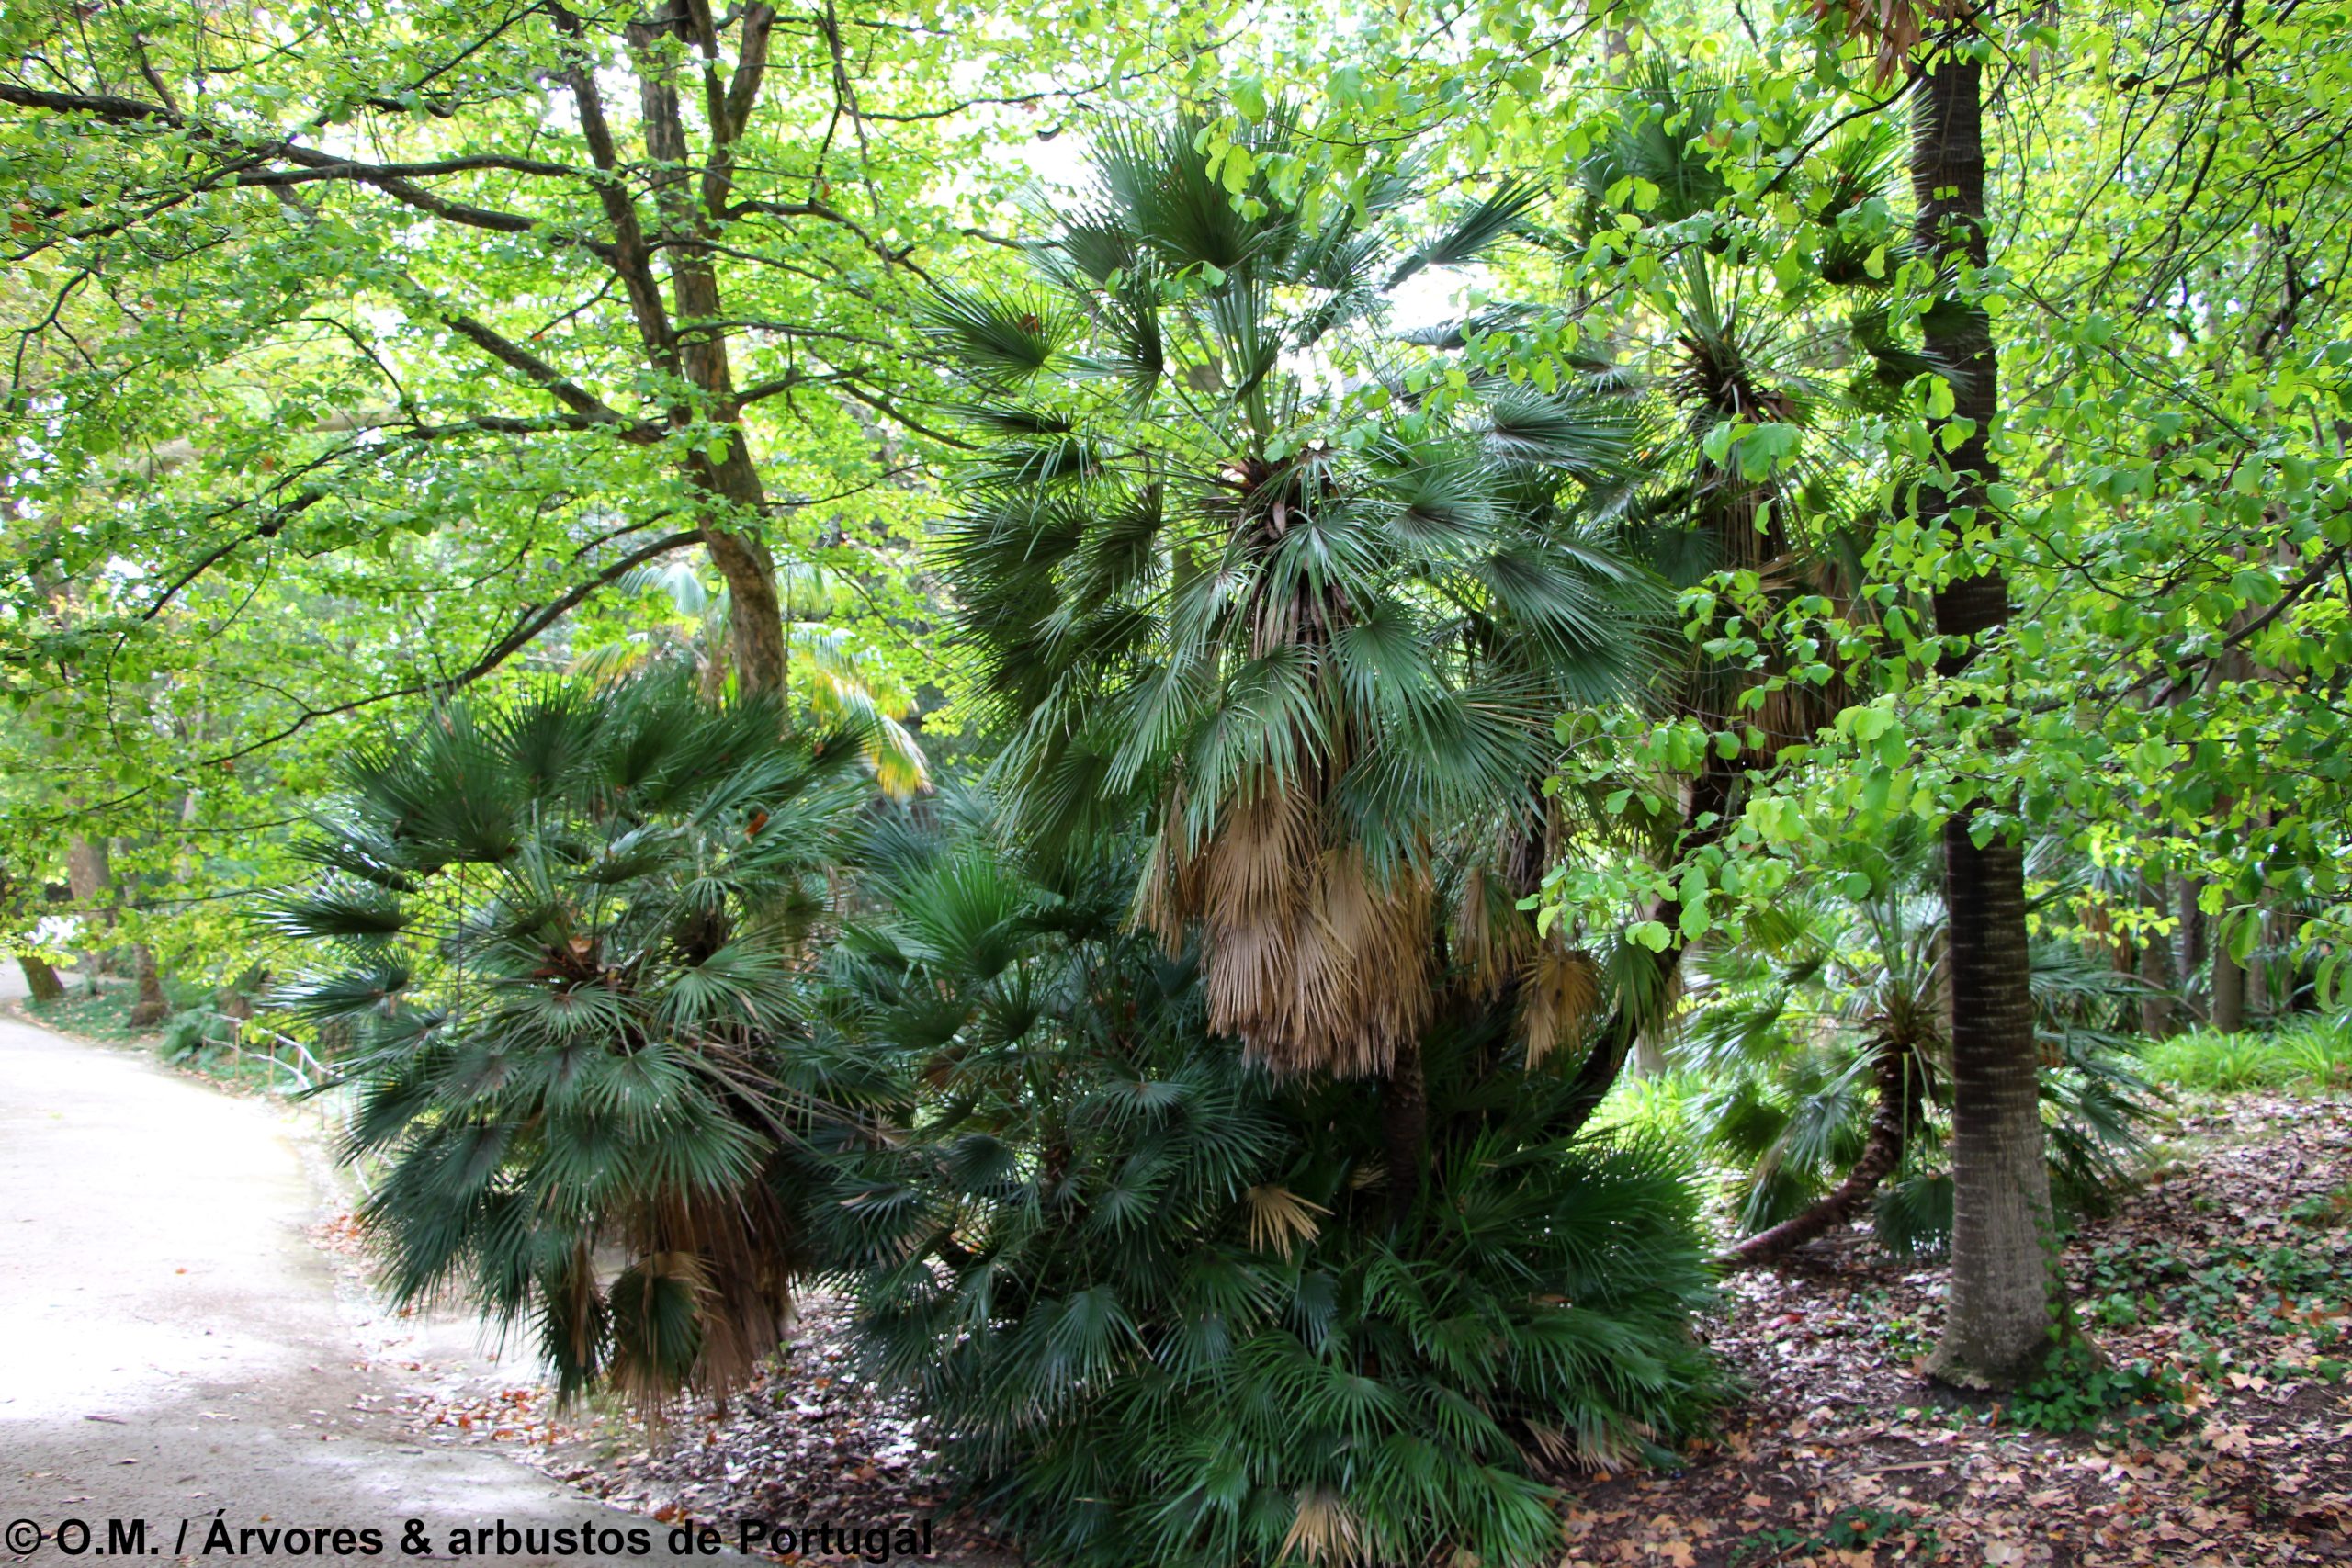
(2157,1019)
(40,980)
(150,1009)
(2226,1010)
(2004,1306)
(1891,1122)
(736,500)
(2190,953)
(754,611)
(89,873)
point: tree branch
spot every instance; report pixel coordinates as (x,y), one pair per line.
(533,621)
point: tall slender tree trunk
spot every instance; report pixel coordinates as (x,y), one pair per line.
(2157,1019)
(2003,1306)
(2226,1009)
(89,873)
(2190,952)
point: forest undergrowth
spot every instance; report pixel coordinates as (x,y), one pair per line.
(2217,1429)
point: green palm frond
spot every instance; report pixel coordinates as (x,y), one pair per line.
(1473,232)
(1156,1302)
(570,1003)
(998,338)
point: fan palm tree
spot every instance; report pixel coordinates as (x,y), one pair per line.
(565,937)
(1146,1292)
(1309,597)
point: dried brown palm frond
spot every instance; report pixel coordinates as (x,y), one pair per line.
(1548,1442)
(1492,937)
(1168,891)
(1323,1531)
(1559,993)
(709,1296)
(1316,963)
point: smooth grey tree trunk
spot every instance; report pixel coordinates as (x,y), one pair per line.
(2004,1306)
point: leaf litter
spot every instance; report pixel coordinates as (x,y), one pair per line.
(2224,1282)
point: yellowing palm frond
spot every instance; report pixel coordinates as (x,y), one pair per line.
(1278,1217)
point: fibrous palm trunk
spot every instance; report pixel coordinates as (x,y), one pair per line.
(2004,1304)
(1893,1074)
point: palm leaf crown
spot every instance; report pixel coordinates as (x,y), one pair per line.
(561,940)
(1225,562)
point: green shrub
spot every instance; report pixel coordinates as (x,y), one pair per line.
(192,1029)
(1858,1528)
(1664,1106)
(1156,1304)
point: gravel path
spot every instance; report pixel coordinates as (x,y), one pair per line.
(172,1347)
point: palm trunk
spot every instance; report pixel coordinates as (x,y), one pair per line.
(1404,1126)
(1891,1122)
(2004,1303)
